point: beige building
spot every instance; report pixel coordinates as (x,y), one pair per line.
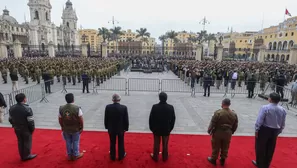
(91,37)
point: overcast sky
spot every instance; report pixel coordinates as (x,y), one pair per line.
(159,16)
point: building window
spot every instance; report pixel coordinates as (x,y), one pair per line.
(46,16)
(245,40)
(240,41)
(286,34)
(239,49)
(67,24)
(36,15)
(17,29)
(6,36)
(292,33)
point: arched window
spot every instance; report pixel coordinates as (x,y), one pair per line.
(42,47)
(46,16)
(59,47)
(6,36)
(270,46)
(285,45)
(288,57)
(36,15)
(279,45)
(67,24)
(274,46)
(291,43)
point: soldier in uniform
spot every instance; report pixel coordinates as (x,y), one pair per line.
(64,76)
(37,74)
(98,73)
(73,76)
(223,124)
(240,77)
(58,74)
(26,75)
(4,74)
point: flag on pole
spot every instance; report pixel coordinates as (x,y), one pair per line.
(288,13)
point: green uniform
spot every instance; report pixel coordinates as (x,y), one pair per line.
(223,124)
(4,74)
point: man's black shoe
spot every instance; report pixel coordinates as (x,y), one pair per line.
(212,161)
(254,163)
(123,156)
(155,159)
(222,162)
(30,157)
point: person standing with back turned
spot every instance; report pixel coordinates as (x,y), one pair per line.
(116,121)
(270,123)
(22,120)
(223,124)
(161,122)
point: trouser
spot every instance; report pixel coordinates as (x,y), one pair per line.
(233,83)
(72,143)
(15,85)
(85,85)
(188,79)
(69,79)
(73,80)
(38,78)
(294,98)
(121,146)
(97,81)
(262,86)
(47,85)
(280,91)
(52,80)
(208,90)
(250,93)
(24,142)
(58,79)
(226,81)
(218,83)
(156,150)
(4,78)
(101,79)
(265,146)
(26,79)
(220,143)
(2,111)
(64,80)
(201,81)
(239,83)
(78,79)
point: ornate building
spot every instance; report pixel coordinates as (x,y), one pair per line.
(40,30)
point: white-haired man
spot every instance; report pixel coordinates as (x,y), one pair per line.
(116,121)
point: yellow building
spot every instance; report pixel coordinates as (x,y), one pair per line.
(90,36)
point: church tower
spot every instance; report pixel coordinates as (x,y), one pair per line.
(40,11)
(69,16)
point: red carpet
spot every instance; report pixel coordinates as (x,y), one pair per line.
(50,147)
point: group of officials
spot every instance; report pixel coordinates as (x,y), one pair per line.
(270,123)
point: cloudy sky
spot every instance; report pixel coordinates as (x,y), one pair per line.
(159,16)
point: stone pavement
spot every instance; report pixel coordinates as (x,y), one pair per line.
(192,114)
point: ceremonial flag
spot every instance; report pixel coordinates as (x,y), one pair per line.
(288,13)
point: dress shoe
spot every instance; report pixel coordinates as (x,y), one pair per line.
(79,156)
(212,161)
(153,157)
(222,162)
(254,163)
(121,158)
(30,157)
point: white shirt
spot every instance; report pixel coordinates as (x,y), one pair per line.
(80,113)
(234,76)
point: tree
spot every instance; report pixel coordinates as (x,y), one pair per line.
(208,38)
(163,38)
(104,33)
(201,35)
(143,33)
(172,35)
(115,33)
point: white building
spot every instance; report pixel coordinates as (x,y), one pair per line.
(40,30)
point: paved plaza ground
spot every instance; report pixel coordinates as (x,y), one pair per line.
(192,113)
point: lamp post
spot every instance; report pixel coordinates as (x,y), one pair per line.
(113,22)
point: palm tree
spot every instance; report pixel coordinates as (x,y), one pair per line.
(172,35)
(143,33)
(163,38)
(201,35)
(104,33)
(115,33)
(208,38)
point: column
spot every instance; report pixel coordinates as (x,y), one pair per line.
(17,49)
(261,54)
(220,52)
(198,56)
(104,50)
(3,50)
(84,50)
(51,49)
(293,55)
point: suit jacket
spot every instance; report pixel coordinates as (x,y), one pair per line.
(21,117)
(116,118)
(207,81)
(46,77)
(162,119)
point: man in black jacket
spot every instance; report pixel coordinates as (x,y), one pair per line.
(207,80)
(161,122)
(280,83)
(116,121)
(2,107)
(251,84)
(47,81)
(21,119)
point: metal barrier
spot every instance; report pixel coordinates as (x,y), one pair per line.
(116,84)
(7,100)
(144,85)
(33,94)
(174,85)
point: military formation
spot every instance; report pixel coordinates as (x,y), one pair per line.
(65,70)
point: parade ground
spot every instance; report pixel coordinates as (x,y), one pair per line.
(189,145)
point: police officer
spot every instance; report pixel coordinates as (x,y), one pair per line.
(223,124)
(21,119)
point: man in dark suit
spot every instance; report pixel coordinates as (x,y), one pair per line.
(47,81)
(161,122)
(116,121)
(251,84)
(22,120)
(207,80)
